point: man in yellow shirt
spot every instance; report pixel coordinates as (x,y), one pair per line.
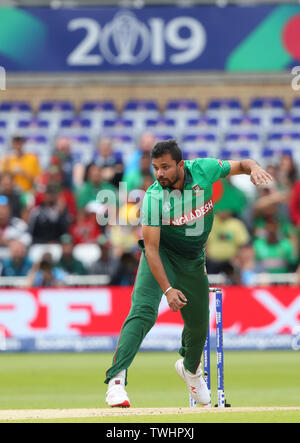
(227,236)
(24,166)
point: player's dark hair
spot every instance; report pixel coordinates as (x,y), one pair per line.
(167,147)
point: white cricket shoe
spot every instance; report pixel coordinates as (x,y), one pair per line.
(195,382)
(116,395)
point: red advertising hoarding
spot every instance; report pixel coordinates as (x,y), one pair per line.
(101,311)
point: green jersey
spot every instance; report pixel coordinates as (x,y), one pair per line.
(275,257)
(185,217)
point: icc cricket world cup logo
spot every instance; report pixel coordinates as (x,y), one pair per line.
(125,40)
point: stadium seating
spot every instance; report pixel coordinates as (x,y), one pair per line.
(197,142)
(270,154)
(11,111)
(123,145)
(222,128)
(5,127)
(287,123)
(196,154)
(162,126)
(4,144)
(41,146)
(36,252)
(246,124)
(87,253)
(202,125)
(295,107)
(98,110)
(140,111)
(181,111)
(118,126)
(224,110)
(266,108)
(82,148)
(56,110)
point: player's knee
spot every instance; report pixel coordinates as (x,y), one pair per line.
(147,315)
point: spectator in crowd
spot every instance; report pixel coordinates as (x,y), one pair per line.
(271,203)
(85,229)
(294,204)
(275,253)
(227,236)
(108,263)
(49,220)
(59,205)
(111,161)
(126,271)
(137,195)
(24,166)
(62,156)
(298,274)
(245,265)
(125,234)
(11,228)
(146,143)
(147,181)
(68,262)
(16,199)
(104,154)
(18,264)
(45,274)
(88,192)
(135,178)
(274,204)
(273,170)
(228,197)
(287,172)
(54,177)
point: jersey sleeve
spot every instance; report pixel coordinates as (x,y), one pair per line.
(152,209)
(215,169)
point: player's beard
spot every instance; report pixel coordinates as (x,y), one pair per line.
(170,183)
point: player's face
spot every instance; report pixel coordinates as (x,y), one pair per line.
(166,170)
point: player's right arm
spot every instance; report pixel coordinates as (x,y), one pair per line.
(151,234)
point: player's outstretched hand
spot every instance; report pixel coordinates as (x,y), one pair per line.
(176,299)
(260,177)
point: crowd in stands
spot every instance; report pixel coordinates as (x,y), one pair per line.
(58,205)
(255,229)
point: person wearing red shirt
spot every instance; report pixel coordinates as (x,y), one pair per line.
(85,229)
(295,204)
(53,176)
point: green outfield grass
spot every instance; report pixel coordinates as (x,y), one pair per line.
(49,381)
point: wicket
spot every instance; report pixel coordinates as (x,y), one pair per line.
(220,354)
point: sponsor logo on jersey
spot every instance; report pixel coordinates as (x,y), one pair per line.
(194,215)
(196,188)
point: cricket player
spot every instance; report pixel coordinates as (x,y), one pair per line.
(177,217)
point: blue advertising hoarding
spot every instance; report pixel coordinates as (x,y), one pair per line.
(261,38)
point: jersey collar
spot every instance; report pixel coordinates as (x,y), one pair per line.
(188,179)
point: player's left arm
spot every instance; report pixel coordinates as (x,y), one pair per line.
(258,175)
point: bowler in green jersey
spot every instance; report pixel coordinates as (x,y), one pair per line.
(177,217)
